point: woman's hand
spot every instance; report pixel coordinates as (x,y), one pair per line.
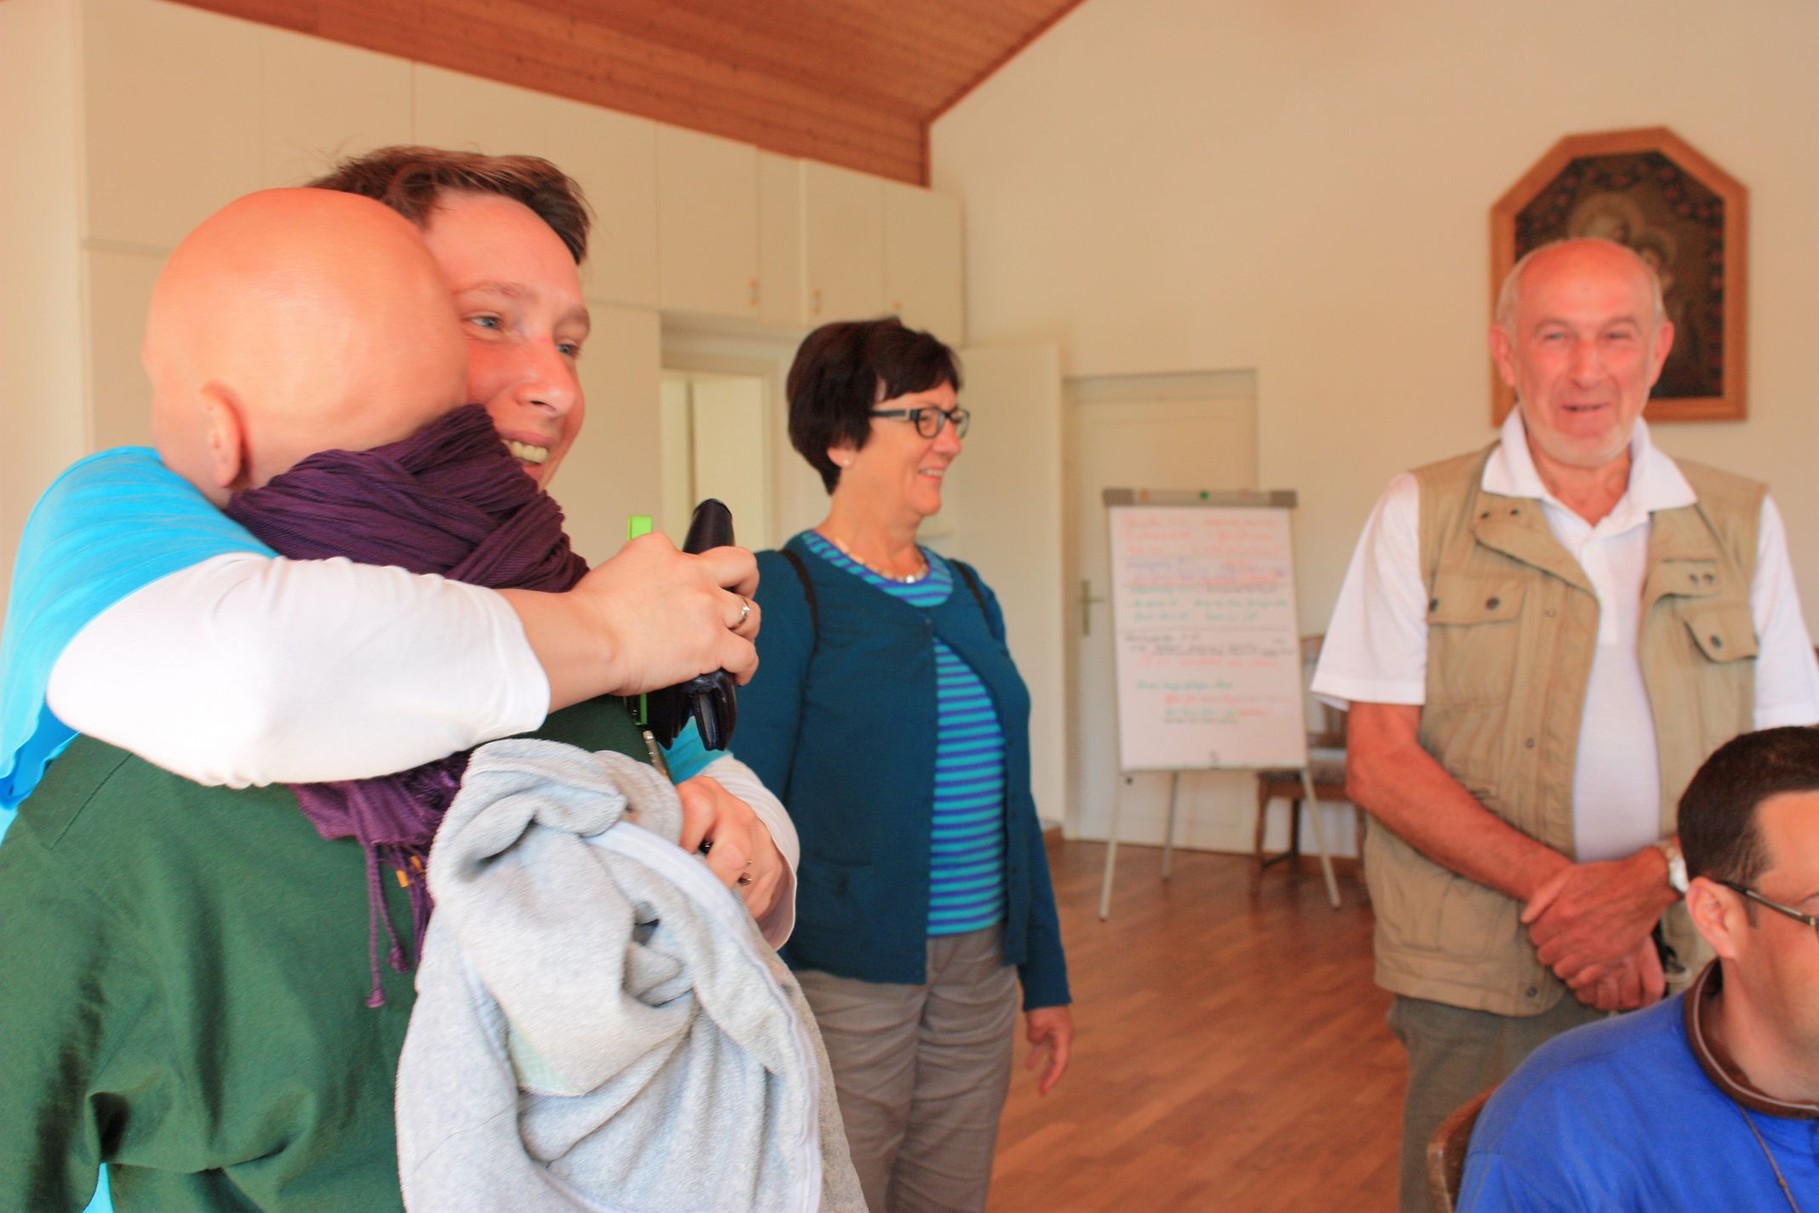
(1050,1031)
(738,846)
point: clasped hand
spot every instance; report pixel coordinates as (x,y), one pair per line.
(1591,923)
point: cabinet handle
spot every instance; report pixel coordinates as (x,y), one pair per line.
(754,296)
(815,295)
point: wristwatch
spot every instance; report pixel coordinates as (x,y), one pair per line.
(1676,863)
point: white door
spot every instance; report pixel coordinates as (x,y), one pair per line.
(713,446)
(1189,432)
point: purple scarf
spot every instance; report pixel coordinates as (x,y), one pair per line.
(449,499)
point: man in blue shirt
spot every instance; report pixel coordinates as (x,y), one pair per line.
(1711,1099)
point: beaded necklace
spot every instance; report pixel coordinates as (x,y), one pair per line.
(903,579)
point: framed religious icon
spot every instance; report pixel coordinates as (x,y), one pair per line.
(1684,215)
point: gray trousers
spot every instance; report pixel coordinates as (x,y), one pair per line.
(1453,1054)
(922,1072)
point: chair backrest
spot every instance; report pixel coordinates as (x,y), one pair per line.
(1446,1152)
(1326,725)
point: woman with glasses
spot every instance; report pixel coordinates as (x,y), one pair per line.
(888,715)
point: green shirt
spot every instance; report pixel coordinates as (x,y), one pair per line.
(183,982)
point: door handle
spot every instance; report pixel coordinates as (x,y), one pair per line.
(1086,606)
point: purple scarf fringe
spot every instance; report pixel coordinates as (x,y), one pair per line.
(449,499)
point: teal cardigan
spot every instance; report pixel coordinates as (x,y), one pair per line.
(840,722)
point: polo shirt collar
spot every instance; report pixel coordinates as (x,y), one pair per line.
(1655,481)
(1718,1067)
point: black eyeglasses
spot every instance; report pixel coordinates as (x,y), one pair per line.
(930,419)
(1811,920)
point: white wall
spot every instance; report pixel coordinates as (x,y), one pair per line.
(40,289)
(1303,187)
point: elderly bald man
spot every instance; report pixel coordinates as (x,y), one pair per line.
(1540,641)
(191,977)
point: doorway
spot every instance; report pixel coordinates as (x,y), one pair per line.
(715,428)
(1184,431)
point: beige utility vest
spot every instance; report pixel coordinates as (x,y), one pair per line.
(1512,628)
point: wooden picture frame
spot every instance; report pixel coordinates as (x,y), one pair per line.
(1653,191)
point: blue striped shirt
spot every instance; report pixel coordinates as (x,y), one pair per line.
(966,852)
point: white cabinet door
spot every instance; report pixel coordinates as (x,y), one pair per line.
(463,112)
(843,243)
(707,224)
(320,102)
(780,293)
(923,259)
(614,159)
(613,470)
(172,120)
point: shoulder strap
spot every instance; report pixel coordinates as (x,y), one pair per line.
(972,583)
(808,591)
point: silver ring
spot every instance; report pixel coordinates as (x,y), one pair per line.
(745,612)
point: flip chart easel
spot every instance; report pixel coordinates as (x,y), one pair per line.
(1206,643)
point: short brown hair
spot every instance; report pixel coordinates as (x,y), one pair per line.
(411,181)
(844,370)
(1717,823)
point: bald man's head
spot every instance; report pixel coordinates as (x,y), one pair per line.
(295,321)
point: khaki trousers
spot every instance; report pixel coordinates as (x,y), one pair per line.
(1453,1054)
(922,1072)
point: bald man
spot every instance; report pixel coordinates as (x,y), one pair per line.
(294,321)
(1539,642)
(190,978)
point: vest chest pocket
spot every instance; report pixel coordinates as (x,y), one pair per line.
(1472,634)
(1722,631)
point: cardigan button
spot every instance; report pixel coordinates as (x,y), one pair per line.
(1529,744)
(1532,991)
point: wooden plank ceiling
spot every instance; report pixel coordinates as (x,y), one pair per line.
(849,82)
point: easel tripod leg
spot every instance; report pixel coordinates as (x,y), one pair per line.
(1326,859)
(1168,837)
(1111,859)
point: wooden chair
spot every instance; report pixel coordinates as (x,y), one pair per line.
(1326,764)
(1446,1152)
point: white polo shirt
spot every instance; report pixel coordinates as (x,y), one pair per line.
(1376,645)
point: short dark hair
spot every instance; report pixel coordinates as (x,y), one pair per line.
(844,370)
(1718,833)
(412,180)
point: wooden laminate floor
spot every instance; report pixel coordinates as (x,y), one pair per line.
(1231,1052)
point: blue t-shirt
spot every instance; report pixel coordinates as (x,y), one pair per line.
(1618,1115)
(966,847)
(113,523)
